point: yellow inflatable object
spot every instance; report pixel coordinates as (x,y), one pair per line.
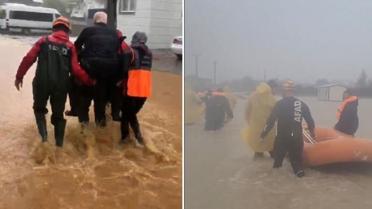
(193,107)
(259,107)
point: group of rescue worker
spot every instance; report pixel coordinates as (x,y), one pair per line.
(286,138)
(100,66)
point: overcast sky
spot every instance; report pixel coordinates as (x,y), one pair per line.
(302,40)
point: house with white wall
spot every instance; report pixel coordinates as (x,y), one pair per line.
(161,20)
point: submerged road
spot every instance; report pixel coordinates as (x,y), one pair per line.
(220,172)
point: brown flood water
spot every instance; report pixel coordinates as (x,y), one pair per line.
(220,172)
(96,172)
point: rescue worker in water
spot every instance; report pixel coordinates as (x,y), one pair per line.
(56,59)
(137,86)
(347,114)
(217,111)
(289,112)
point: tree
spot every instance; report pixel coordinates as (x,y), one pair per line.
(362,80)
(111,10)
(321,82)
(59,5)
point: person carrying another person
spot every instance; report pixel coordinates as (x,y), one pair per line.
(98,48)
(289,113)
(56,60)
(347,114)
(137,87)
(217,111)
(260,104)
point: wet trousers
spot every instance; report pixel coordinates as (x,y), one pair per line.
(57,102)
(129,109)
(114,96)
(214,120)
(294,147)
(98,94)
(73,95)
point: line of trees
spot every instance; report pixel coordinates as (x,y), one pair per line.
(362,86)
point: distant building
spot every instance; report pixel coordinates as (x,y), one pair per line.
(161,20)
(331,92)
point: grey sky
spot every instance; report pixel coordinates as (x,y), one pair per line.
(297,39)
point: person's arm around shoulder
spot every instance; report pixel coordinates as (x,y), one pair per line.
(81,39)
(77,70)
(27,62)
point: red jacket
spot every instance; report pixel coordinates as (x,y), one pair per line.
(59,37)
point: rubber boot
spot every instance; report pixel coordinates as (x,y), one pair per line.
(59,132)
(137,132)
(42,127)
(72,113)
(116,116)
(101,123)
(300,173)
(124,128)
(84,127)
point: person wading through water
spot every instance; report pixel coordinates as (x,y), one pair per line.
(137,87)
(56,60)
(289,112)
(347,114)
(98,48)
(217,111)
(260,104)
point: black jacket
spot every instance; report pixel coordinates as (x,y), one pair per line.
(217,110)
(98,47)
(349,121)
(289,113)
(98,41)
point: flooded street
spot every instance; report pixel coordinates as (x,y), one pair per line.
(220,171)
(97,172)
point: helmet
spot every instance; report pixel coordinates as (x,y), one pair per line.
(62,21)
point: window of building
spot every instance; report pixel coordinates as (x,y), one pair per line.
(2,14)
(127,6)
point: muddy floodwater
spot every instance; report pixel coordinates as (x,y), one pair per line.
(96,172)
(220,172)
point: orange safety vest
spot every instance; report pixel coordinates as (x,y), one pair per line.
(216,93)
(139,75)
(342,106)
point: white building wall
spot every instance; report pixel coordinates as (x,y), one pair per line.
(129,23)
(161,20)
(166,22)
(323,93)
(336,93)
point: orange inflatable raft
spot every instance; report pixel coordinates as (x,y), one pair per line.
(331,146)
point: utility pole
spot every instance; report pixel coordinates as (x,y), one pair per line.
(196,65)
(111,13)
(215,72)
(264,75)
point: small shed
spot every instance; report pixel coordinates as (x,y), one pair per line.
(331,92)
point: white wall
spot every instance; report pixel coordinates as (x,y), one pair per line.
(160,19)
(323,93)
(336,92)
(166,22)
